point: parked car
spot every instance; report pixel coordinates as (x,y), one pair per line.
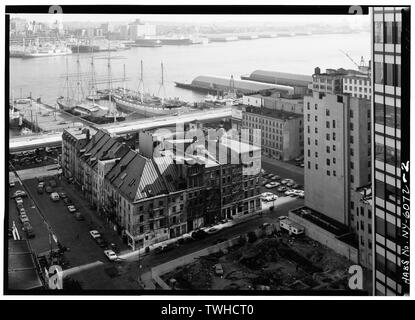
(41,185)
(110,255)
(166,247)
(285,181)
(54,196)
(67,201)
(52,183)
(275,177)
(290,184)
(71,208)
(289,193)
(282,218)
(39,190)
(95,234)
(28,229)
(218,269)
(19,200)
(49,189)
(19,193)
(23,218)
(79,216)
(38,160)
(62,195)
(22,211)
(212,230)
(271,185)
(101,242)
(220,240)
(199,234)
(282,189)
(12,184)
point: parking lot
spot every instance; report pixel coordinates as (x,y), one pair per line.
(52,219)
(35,158)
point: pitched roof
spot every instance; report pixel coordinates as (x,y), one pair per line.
(136,177)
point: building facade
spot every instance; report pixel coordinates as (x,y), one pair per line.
(388,41)
(336,149)
(281,131)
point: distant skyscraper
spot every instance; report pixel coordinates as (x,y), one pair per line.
(388,106)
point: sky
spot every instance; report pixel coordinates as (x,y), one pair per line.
(351,20)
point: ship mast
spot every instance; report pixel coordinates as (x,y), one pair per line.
(141,82)
(162,85)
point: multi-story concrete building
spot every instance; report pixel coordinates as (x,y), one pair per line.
(275,101)
(336,147)
(138,29)
(281,131)
(358,85)
(390,49)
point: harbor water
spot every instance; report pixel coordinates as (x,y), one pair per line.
(44,77)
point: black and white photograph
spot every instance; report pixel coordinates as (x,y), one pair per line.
(207,150)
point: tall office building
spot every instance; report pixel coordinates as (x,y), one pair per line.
(336,146)
(390,46)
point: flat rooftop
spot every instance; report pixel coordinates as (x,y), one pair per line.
(340,230)
(277,114)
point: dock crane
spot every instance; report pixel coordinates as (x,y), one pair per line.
(362,67)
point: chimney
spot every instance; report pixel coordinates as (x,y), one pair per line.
(123,167)
(317,70)
(88,135)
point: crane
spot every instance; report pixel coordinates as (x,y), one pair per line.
(362,67)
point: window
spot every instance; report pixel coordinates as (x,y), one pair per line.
(389,74)
(308,105)
(334,124)
(334,160)
(352,178)
(327,136)
(316,166)
(327,112)
(315,130)
(328,149)
(308,165)
(316,142)
(351,165)
(379,32)
(352,205)
(334,147)
(316,154)
(328,162)
(328,172)
(389,32)
(351,139)
(334,136)
(334,173)
(328,124)
(351,113)
(315,106)
(315,118)
(379,72)
(351,126)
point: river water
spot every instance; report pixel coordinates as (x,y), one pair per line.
(45,77)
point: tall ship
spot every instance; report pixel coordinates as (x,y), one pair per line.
(146,104)
(86,107)
(46,51)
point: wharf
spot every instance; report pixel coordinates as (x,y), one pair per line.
(41,117)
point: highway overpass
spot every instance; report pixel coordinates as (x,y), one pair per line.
(25,143)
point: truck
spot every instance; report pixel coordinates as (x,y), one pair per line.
(292,227)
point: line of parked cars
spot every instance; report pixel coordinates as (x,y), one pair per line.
(110,249)
(37,156)
(18,196)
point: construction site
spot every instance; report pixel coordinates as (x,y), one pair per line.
(264,261)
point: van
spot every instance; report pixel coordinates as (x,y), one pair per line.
(54,196)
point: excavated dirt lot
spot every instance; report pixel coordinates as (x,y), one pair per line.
(272,263)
